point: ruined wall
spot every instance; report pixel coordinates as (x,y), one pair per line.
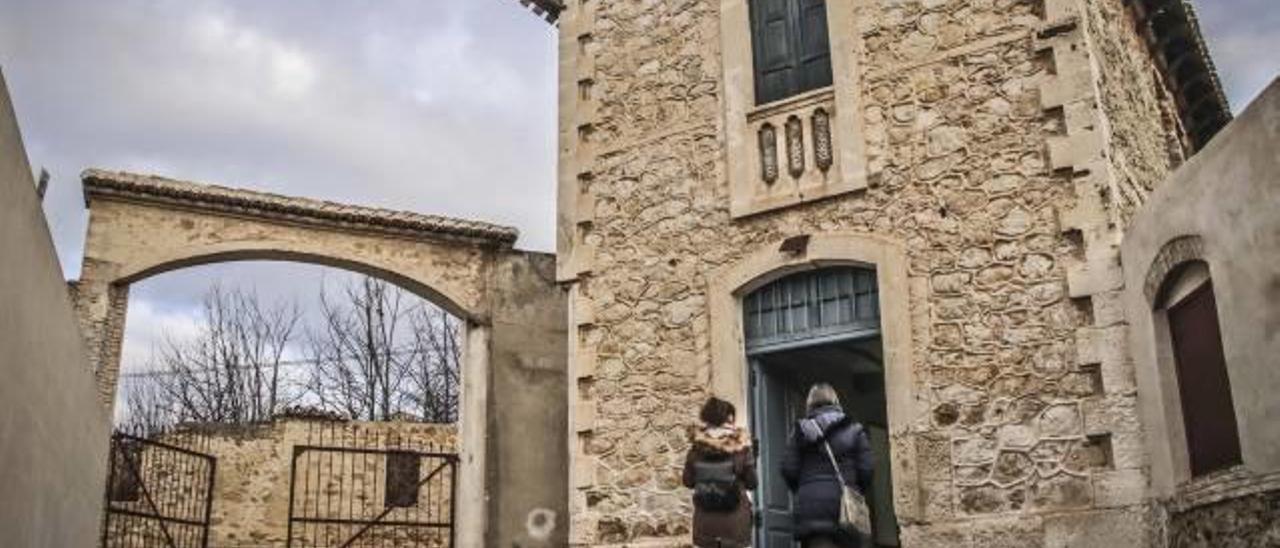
(53,433)
(252,481)
(983,151)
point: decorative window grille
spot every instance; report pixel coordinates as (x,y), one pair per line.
(795,146)
(768,153)
(830,303)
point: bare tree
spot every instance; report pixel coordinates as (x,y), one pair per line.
(434,376)
(144,409)
(382,352)
(230,372)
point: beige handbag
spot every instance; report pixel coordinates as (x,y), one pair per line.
(855,517)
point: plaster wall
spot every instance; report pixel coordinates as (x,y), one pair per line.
(528,418)
(1219,207)
(53,433)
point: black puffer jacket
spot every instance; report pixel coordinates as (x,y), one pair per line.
(808,472)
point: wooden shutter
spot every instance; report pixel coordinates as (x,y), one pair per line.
(815,46)
(773,41)
(1208,413)
(791,45)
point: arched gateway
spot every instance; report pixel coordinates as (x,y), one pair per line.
(514,351)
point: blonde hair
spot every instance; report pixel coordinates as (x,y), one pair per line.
(821,394)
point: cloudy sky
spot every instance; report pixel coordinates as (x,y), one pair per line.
(439,106)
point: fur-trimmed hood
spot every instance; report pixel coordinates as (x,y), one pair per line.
(721,439)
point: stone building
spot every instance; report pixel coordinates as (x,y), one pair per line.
(1013,233)
(921,201)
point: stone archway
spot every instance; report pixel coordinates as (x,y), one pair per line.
(776,260)
(515,337)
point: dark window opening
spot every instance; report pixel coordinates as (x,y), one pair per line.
(1208,414)
(791,46)
(126,486)
(403,472)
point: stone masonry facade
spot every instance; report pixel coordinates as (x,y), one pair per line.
(1006,143)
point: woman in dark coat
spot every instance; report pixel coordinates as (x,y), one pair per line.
(720,451)
(808,472)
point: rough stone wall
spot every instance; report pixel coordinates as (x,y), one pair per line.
(1146,140)
(1030,432)
(101,308)
(1248,521)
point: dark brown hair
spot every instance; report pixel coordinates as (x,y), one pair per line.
(716,411)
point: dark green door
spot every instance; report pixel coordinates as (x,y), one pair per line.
(774,405)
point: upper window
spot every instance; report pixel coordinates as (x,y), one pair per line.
(791,47)
(1208,414)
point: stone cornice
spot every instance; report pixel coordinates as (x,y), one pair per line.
(546,9)
(204,197)
(1172,31)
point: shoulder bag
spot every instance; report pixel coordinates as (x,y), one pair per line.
(855,517)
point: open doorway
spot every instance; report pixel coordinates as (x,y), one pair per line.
(816,326)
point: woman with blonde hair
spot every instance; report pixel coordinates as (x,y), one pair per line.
(810,474)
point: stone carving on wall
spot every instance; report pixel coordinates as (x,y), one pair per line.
(768,153)
(822,155)
(795,147)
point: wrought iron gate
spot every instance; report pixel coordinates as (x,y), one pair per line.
(159,494)
(352,496)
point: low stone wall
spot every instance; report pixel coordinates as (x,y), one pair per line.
(251,493)
(1252,520)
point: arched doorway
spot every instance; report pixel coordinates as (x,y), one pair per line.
(819,325)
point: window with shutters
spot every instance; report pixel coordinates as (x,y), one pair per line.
(791,47)
(792,102)
(1204,388)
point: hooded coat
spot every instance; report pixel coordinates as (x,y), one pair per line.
(808,472)
(719,443)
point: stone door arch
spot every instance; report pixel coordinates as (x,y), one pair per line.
(141,226)
(778,259)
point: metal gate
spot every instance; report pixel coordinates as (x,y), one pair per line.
(353,496)
(159,494)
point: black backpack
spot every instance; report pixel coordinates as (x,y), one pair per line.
(715,486)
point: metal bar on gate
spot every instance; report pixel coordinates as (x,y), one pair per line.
(453,503)
(170,447)
(293,480)
(388,509)
(208,503)
(445,456)
(389,523)
(146,493)
(111,480)
(144,515)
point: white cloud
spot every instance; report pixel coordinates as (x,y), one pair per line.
(148,325)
